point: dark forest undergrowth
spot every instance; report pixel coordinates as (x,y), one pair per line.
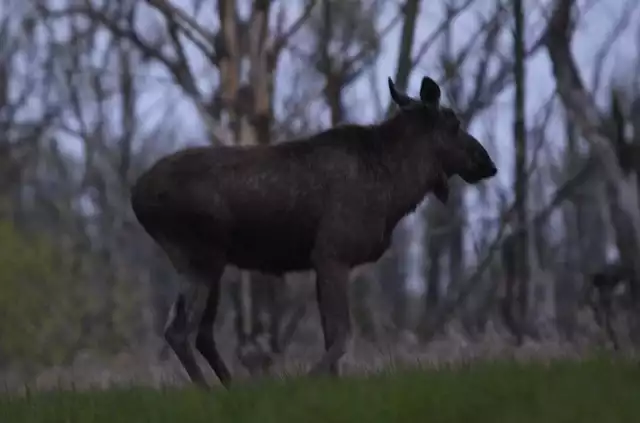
(594,390)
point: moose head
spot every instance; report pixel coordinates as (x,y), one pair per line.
(458,151)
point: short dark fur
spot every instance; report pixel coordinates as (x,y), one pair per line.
(328,202)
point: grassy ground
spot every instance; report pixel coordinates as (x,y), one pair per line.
(592,391)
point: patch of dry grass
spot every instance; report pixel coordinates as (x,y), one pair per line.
(137,366)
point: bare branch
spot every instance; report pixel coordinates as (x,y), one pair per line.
(467,287)
(188,26)
(282,37)
(578,102)
(602,54)
(427,44)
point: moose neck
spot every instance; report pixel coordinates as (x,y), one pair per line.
(413,166)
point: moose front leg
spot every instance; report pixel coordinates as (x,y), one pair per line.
(332,279)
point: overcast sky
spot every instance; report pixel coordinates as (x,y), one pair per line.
(159,94)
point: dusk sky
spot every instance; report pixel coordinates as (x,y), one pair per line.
(162,102)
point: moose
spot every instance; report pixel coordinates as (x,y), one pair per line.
(327,203)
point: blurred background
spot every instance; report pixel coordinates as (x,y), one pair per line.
(536,262)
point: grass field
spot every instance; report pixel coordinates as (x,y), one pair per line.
(599,390)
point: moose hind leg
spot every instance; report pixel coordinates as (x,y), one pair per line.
(189,307)
(205,342)
(182,323)
(333,302)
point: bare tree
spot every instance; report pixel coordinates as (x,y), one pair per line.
(471,100)
(392,278)
(517,278)
(622,190)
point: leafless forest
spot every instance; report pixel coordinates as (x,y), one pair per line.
(535,263)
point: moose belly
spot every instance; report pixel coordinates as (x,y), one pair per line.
(273,250)
(286,245)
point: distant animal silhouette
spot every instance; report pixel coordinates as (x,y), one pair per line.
(599,294)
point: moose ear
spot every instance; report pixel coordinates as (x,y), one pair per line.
(402,100)
(429,91)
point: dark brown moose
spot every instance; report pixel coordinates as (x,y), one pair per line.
(328,203)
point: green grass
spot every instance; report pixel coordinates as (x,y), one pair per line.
(593,391)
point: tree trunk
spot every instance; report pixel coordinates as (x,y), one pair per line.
(250,115)
(568,286)
(521,241)
(455,211)
(394,280)
(433,274)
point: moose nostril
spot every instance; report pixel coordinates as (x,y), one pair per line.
(493,170)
